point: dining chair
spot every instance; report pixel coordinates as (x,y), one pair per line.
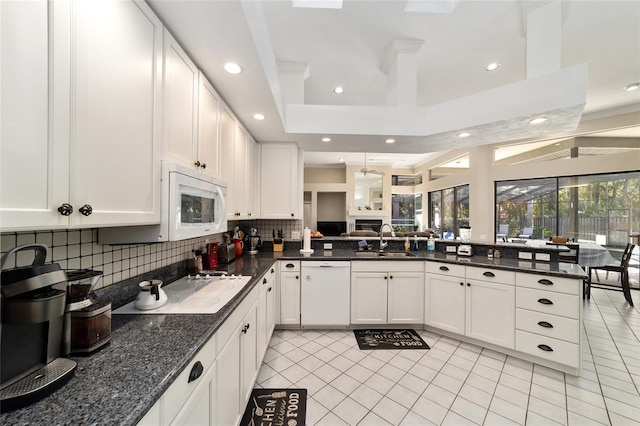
(571,256)
(622,269)
(503,232)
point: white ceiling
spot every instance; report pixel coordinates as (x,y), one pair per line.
(346,47)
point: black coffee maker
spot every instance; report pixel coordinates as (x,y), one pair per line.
(31,330)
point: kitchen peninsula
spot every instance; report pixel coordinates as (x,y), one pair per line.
(149,354)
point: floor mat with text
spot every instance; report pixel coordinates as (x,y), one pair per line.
(389,339)
(277,407)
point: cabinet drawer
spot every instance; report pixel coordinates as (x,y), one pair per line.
(290,266)
(548,325)
(548,283)
(545,347)
(387,266)
(445,269)
(549,302)
(491,275)
(180,390)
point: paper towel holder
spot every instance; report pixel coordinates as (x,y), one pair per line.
(306,241)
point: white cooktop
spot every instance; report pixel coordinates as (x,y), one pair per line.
(194,295)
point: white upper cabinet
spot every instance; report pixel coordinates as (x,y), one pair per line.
(34,153)
(208,153)
(180,103)
(84,117)
(115,160)
(280,181)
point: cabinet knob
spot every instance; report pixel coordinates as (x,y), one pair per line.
(86,210)
(248,214)
(269,289)
(468,284)
(461,283)
(292,215)
(297,277)
(264,281)
(65,209)
(204,165)
(196,371)
(197,164)
(390,277)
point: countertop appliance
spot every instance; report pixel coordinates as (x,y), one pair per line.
(465,250)
(87,321)
(192,204)
(32,325)
(325,294)
(226,252)
(198,294)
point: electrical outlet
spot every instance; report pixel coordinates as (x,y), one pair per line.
(452,249)
(328,246)
(526,255)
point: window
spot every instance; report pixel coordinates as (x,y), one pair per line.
(448,210)
(602,208)
(406,211)
(406,180)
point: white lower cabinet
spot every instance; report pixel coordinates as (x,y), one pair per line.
(289,280)
(217,383)
(475,302)
(387,292)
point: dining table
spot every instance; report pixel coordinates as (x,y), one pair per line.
(591,254)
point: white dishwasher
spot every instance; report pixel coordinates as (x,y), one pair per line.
(325,293)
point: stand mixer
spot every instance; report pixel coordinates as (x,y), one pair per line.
(254,241)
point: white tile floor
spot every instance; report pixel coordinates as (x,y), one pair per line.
(456,383)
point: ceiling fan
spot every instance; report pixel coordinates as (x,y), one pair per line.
(366,171)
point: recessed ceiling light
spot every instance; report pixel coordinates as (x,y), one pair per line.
(338,90)
(390,141)
(464,134)
(632,87)
(232,68)
(538,120)
(326,139)
(492,66)
(258,116)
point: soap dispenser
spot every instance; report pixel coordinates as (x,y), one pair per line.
(415,243)
(431,244)
(407,245)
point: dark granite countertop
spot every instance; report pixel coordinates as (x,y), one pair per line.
(121,382)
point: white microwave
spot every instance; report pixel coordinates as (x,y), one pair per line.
(192,205)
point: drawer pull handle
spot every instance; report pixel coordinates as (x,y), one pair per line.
(196,371)
(444,268)
(264,281)
(489,274)
(289,265)
(545,301)
(545,282)
(545,348)
(545,324)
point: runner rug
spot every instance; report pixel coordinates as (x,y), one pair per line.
(276,407)
(389,339)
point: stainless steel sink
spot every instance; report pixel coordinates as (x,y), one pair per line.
(385,254)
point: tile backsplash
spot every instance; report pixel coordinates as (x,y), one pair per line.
(79,249)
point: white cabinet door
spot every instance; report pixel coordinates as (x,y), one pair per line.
(115,105)
(34,112)
(251,178)
(369,298)
(227,155)
(248,354)
(198,410)
(279,186)
(261,332)
(271,310)
(240,172)
(227,391)
(445,302)
(208,141)
(290,298)
(491,312)
(406,298)
(180,103)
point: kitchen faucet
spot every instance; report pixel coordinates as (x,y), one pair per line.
(383,243)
